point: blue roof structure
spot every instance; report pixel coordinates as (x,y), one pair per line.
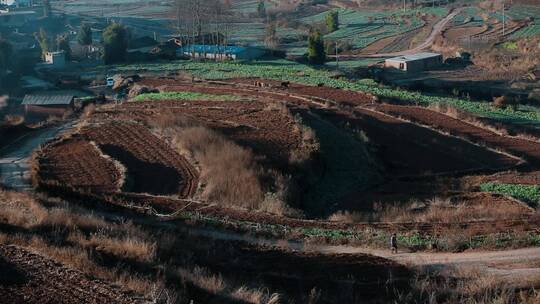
(213,49)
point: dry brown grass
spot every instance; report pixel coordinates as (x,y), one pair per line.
(465,284)
(439,210)
(3,101)
(216,285)
(52,226)
(131,247)
(509,65)
(13,120)
(118,251)
(348,217)
(436,210)
(230,173)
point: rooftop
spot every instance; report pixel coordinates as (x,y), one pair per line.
(413,57)
(212,49)
(17,13)
(47,99)
(56,53)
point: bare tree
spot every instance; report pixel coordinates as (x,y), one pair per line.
(204,22)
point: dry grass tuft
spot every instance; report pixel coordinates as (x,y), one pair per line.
(216,285)
(13,120)
(229,171)
(348,217)
(436,210)
(59,232)
(309,145)
(439,210)
(130,247)
(465,284)
(3,101)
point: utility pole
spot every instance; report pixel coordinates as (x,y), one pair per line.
(504,19)
(337,56)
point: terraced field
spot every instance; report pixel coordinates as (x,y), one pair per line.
(80,164)
(363,28)
(151,166)
(31,278)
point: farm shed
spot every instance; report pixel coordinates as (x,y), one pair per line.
(202,51)
(414,63)
(55,59)
(49,104)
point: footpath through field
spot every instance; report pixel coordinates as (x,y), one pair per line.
(14,167)
(518,267)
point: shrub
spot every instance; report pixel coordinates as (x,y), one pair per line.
(115,42)
(316,52)
(332,21)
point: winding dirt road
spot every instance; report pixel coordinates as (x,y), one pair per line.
(14,167)
(519,267)
(437,29)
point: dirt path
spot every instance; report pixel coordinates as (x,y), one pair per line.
(14,167)
(437,29)
(517,267)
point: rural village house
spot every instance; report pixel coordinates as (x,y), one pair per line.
(415,62)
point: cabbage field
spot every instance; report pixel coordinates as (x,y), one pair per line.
(295,72)
(362,28)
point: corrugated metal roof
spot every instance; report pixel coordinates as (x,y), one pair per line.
(47,100)
(413,57)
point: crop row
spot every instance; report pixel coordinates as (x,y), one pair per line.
(526,193)
(182,96)
(528,31)
(283,70)
(364,28)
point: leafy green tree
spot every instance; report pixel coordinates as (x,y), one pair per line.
(332,21)
(6,50)
(62,44)
(261,9)
(44,42)
(115,42)
(316,53)
(84,37)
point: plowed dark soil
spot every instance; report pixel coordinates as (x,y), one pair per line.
(76,163)
(262,126)
(30,278)
(529,150)
(408,149)
(152,165)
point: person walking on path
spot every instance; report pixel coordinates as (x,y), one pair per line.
(393,243)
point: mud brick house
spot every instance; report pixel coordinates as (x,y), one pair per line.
(48,104)
(415,62)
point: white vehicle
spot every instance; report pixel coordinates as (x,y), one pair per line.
(110,82)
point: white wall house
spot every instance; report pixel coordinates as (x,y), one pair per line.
(414,62)
(56,59)
(18,3)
